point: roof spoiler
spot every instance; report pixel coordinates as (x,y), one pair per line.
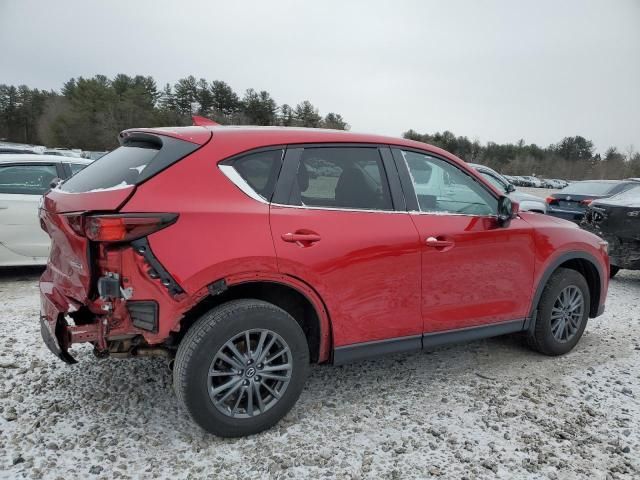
(199,121)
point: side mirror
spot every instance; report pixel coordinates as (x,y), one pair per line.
(507,210)
(510,188)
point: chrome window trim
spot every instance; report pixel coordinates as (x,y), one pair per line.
(334,209)
(233,175)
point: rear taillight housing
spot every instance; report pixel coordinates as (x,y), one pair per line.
(551,201)
(119,227)
(586,202)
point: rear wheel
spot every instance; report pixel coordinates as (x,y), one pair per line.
(613,270)
(563,312)
(241,367)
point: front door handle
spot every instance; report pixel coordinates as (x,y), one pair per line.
(435,243)
(301,238)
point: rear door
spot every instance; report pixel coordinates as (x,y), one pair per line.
(21,187)
(339,223)
(474,272)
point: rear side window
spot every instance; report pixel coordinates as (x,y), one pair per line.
(260,170)
(590,188)
(341,177)
(137,160)
(26,179)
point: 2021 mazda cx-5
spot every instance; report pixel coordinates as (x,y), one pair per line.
(248,253)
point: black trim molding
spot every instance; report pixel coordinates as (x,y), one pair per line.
(362,351)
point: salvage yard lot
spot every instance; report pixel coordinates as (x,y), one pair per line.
(483,409)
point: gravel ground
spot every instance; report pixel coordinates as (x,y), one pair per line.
(488,409)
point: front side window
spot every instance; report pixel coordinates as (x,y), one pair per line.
(341,177)
(495,181)
(442,187)
(26,179)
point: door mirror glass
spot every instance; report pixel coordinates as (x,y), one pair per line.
(510,188)
(507,209)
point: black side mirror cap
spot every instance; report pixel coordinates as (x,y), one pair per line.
(510,188)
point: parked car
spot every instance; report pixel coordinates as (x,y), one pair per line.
(247,253)
(8,149)
(533,181)
(571,202)
(23,180)
(64,152)
(617,220)
(527,202)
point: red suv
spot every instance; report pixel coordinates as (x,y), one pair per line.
(245,254)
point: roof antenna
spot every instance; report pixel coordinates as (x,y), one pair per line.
(199,121)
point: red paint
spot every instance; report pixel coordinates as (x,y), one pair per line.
(369,275)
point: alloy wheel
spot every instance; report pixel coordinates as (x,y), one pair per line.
(250,373)
(566,314)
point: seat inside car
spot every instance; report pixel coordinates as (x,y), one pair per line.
(354,191)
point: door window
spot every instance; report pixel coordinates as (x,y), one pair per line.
(260,170)
(26,179)
(442,187)
(341,177)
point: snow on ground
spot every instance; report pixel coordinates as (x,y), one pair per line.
(488,409)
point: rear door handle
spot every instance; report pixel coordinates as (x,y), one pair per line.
(3,207)
(434,242)
(301,237)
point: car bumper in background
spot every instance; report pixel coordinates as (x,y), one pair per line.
(571,215)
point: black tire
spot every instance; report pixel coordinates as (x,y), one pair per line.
(613,270)
(208,336)
(541,337)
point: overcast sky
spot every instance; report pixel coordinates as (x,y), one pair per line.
(491,70)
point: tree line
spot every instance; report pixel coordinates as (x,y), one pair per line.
(88,113)
(572,158)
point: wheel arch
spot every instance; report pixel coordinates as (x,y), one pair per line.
(289,293)
(584,263)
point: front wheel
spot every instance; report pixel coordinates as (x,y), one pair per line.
(563,312)
(241,367)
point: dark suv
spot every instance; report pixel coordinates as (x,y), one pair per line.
(248,253)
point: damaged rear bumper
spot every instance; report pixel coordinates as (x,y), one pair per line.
(50,331)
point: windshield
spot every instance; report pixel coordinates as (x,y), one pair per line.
(119,168)
(589,188)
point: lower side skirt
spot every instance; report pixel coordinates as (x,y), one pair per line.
(363,351)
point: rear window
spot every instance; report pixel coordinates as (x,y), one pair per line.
(590,188)
(136,161)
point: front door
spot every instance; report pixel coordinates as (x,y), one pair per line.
(474,272)
(335,227)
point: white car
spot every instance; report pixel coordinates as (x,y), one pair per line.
(23,180)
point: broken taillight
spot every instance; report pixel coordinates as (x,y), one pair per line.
(551,201)
(119,227)
(586,202)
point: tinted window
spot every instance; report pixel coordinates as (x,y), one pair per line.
(260,170)
(590,188)
(496,182)
(76,167)
(346,177)
(120,168)
(442,187)
(26,179)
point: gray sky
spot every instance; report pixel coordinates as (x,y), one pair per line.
(491,70)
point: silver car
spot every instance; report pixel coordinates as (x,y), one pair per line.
(527,202)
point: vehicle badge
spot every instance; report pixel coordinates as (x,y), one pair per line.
(568,197)
(635,213)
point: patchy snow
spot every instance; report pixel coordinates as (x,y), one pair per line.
(487,409)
